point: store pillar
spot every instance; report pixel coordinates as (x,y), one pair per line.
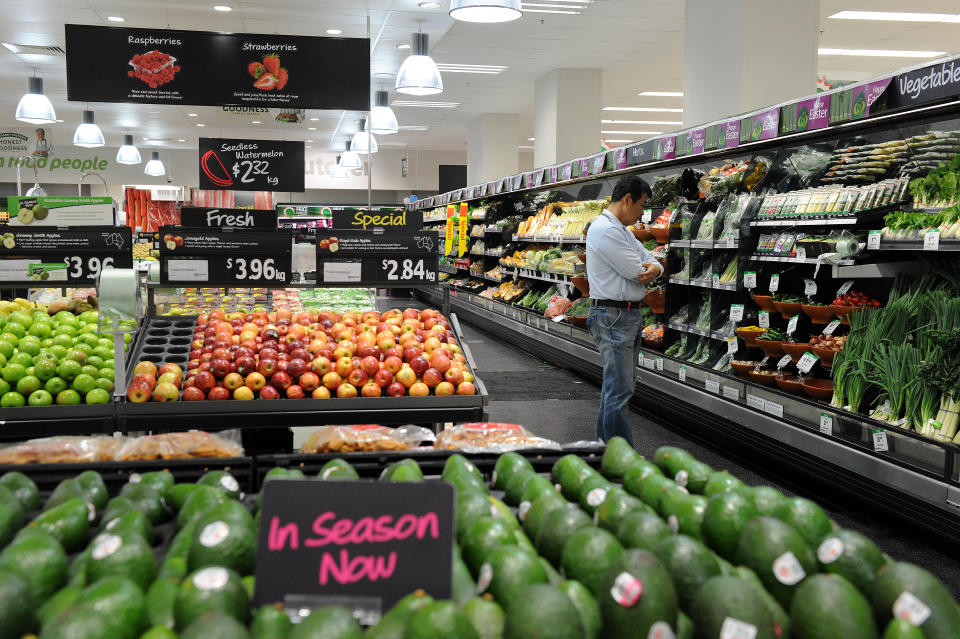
(567,114)
(741,55)
(492,151)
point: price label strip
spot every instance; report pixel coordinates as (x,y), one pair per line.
(879,440)
(931,240)
(826,424)
(226,257)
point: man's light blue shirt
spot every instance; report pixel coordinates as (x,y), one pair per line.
(615,259)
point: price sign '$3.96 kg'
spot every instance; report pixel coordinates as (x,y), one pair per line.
(226,256)
(255,269)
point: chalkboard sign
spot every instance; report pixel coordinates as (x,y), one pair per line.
(224,256)
(360,544)
(206,217)
(51,255)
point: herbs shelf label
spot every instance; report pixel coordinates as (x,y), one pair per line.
(774,282)
(750,279)
(806,362)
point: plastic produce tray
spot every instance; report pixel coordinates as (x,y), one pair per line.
(162,341)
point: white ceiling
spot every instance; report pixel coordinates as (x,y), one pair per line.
(637,44)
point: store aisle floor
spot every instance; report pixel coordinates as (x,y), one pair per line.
(557,404)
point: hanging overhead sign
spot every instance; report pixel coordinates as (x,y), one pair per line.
(167,66)
(251,165)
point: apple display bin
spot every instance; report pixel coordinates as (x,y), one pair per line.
(167,339)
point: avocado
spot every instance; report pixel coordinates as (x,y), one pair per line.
(200,500)
(405,470)
(250,585)
(730,598)
(499,510)
(270,622)
(553,577)
(179,546)
(16,611)
(458,467)
(544,612)
(507,466)
(223,481)
(159,480)
(132,522)
(23,488)
(12,515)
(641,529)
(159,632)
(778,555)
(81,623)
(780,616)
(725,517)
(484,535)
(161,597)
(689,513)
(720,482)
(337,470)
(533,513)
(651,487)
(463,585)
(437,620)
(120,602)
(765,499)
(393,624)
(129,555)
(570,471)
(470,507)
(215,625)
(635,474)
(556,528)
(617,458)
(630,616)
(689,563)
(224,536)
(685,629)
(893,580)
(593,492)
(830,607)
(669,459)
(68,523)
(173,568)
(211,589)
(615,507)
(513,494)
(486,617)
(902,629)
(328,622)
(587,555)
(692,475)
(537,487)
(116,507)
(177,494)
(585,605)
(94,489)
(853,556)
(507,570)
(146,500)
(56,605)
(806,517)
(64,491)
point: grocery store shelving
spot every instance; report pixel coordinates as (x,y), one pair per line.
(703,284)
(837,221)
(549,240)
(917,245)
(794,260)
(537,275)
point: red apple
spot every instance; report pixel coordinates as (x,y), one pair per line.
(220,367)
(295,392)
(166,392)
(419,389)
(301,353)
(267,367)
(370,389)
(357,377)
(346,391)
(441,363)
(233,381)
(332,380)
(170,367)
(269,392)
(204,380)
(383,378)
(396,351)
(245,364)
(370,365)
(145,368)
(419,365)
(309,381)
(296,367)
(138,392)
(432,377)
(268,353)
(255,381)
(406,376)
(393,364)
(445,388)
(344,366)
(281,380)
(218,393)
(454,376)
(321,392)
(170,378)
(149,380)
(193,394)
(466,388)
(321,365)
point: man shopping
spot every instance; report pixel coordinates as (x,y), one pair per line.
(618,269)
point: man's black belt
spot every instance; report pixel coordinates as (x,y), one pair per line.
(614,303)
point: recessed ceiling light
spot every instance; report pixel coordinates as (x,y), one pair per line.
(881,53)
(309,140)
(676,122)
(632,132)
(314,119)
(181,140)
(644,109)
(192,115)
(896,16)
(312,128)
(222,7)
(663,94)
(115,19)
(485,69)
(403,45)
(428,4)
(429,105)
(524,146)
(199,124)
(309,147)
(255,122)
(334,31)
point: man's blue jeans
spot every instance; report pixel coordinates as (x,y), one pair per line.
(618,334)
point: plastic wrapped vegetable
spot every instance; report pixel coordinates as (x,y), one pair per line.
(557,306)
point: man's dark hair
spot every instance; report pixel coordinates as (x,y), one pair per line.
(632,184)
(40,131)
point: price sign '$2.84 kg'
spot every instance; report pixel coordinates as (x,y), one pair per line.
(406,270)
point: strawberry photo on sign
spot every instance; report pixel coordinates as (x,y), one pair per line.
(268,74)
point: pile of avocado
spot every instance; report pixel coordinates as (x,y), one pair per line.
(659,549)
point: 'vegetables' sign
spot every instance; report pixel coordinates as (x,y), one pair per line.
(360,544)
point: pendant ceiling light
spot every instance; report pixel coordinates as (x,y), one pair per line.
(383,121)
(88,134)
(128,153)
(349,159)
(155,167)
(485,10)
(339,172)
(363,141)
(419,74)
(34,107)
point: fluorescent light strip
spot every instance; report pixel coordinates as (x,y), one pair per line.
(881,53)
(525,147)
(896,16)
(618,141)
(663,94)
(429,105)
(487,69)
(664,122)
(632,132)
(552,6)
(526,10)
(644,109)
(413,127)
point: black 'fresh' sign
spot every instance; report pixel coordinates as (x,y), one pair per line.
(205,217)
